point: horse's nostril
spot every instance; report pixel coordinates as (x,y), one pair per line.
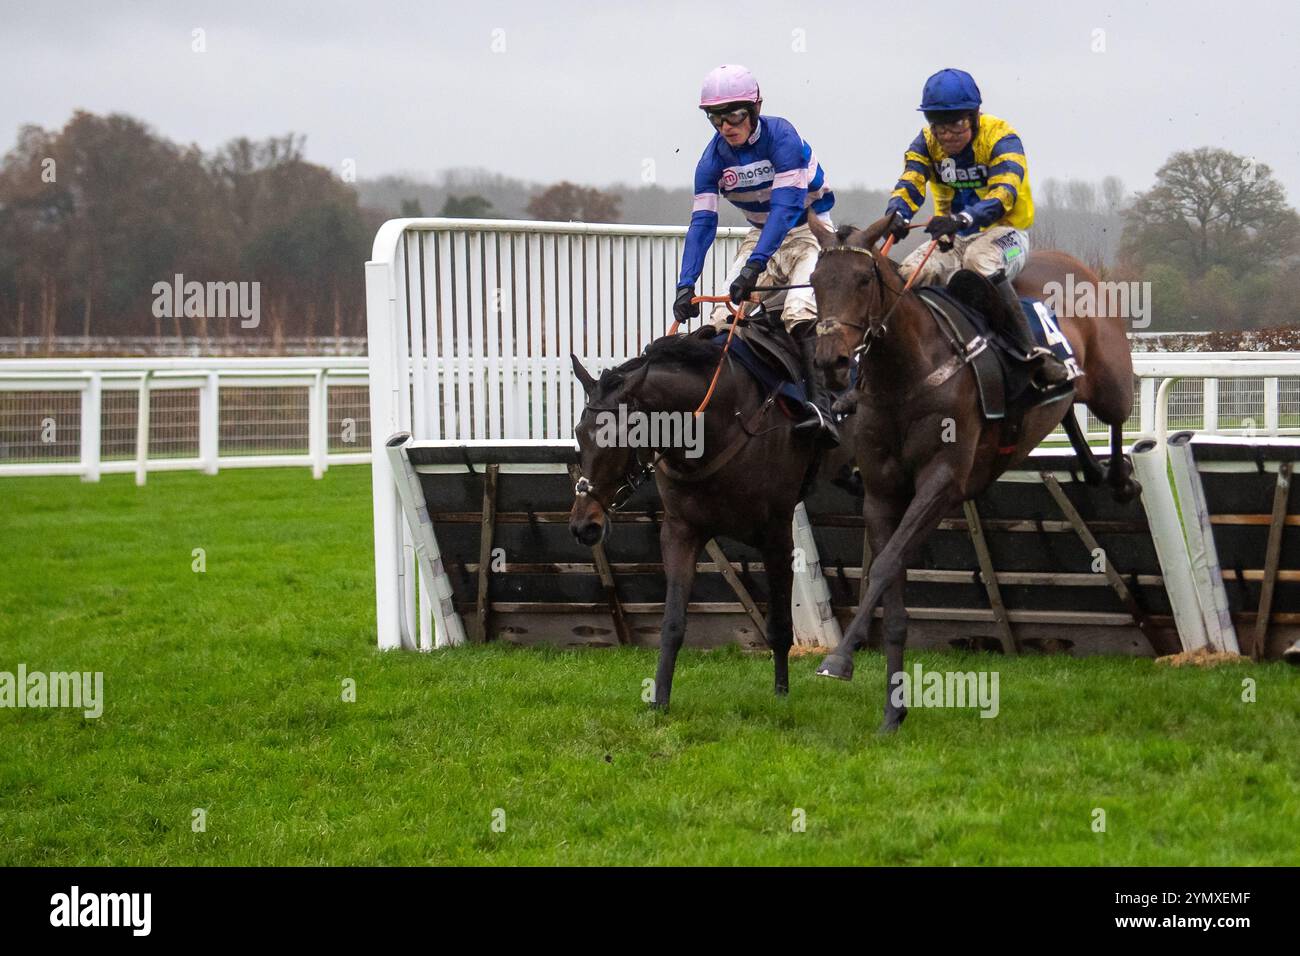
(589,533)
(842,362)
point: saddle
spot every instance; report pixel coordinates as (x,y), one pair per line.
(973,317)
(766,351)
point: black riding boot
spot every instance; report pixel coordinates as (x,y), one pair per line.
(1051,372)
(820,418)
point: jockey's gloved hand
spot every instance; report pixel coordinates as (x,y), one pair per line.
(684,309)
(744,285)
(898,227)
(941,227)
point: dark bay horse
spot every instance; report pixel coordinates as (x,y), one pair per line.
(744,483)
(923,447)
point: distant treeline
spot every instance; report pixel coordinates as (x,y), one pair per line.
(96,217)
(1081,217)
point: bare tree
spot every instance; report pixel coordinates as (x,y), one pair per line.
(1212,207)
(1082,195)
(1112,194)
(565,202)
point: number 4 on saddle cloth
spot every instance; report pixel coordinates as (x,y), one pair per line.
(972,317)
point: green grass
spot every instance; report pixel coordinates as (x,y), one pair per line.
(223,692)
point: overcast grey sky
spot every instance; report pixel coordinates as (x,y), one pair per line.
(590,92)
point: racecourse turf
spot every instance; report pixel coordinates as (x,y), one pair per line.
(224,693)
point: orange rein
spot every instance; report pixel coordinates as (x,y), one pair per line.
(889,244)
(737,313)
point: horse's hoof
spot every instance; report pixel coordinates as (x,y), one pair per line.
(660,706)
(1126,492)
(841,668)
(783,692)
(892,722)
(845,405)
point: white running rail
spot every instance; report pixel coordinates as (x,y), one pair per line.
(89,417)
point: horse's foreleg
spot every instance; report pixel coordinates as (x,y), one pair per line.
(936,494)
(680,549)
(778,556)
(895,641)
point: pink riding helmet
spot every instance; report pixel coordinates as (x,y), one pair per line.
(729,84)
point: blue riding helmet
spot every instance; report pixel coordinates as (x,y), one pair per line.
(950,90)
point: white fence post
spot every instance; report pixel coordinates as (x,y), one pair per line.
(316,425)
(210,424)
(91,407)
(1271,422)
(1147,406)
(384,393)
(142,430)
(1210,406)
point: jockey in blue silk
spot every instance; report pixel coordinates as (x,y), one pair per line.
(983,205)
(765,169)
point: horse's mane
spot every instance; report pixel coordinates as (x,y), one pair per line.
(688,351)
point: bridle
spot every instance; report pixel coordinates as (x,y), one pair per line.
(640,469)
(633,477)
(873,331)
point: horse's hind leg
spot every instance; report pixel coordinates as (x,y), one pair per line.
(777,560)
(1119,470)
(680,549)
(1092,472)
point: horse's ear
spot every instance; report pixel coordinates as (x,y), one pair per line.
(588,383)
(633,381)
(867,238)
(824,236)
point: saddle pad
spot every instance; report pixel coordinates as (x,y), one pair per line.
(1042,322)
(763,373)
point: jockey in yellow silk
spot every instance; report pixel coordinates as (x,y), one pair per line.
(983,205)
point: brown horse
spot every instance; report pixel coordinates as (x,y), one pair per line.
(744,484)
(922,444)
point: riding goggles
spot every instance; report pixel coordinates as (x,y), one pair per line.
(733,117)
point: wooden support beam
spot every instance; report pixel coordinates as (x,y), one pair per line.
(1289,520)
(720,559)
(486,529)
(1090,542)
(1021,525)
(606,572)
(1272,555)
(990,575)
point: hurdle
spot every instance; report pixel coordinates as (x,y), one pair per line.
(471,323)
